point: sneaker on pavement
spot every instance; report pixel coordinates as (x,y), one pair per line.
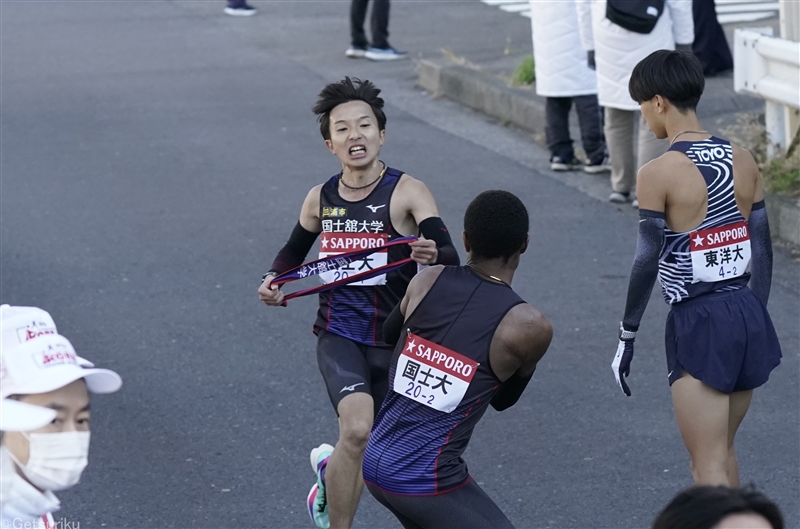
(384,54)
(241,10)
(635,203)
(559,163)
(618,198)
(600,166)
(316,501)
(356,52)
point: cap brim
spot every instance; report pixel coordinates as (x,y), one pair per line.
(97,380)
(18,416)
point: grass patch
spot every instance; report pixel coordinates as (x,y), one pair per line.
(781,174)
(525,74)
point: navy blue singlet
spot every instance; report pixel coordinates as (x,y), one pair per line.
(357,311)
(440,386)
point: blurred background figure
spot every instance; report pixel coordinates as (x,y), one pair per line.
(239,8)
(720,508)
(40,368)
(564,78)
(614,51)
(379,49)
(710,44)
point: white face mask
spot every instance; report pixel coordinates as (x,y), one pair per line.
(56,460)
(7,473)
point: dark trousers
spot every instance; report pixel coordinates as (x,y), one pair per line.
(379,23)
(710,45)
(557,128)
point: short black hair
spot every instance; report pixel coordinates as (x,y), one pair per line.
(675,75)
(345,91)
(496,225)
(704,507)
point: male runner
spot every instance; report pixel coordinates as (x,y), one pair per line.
(468,340)
(366,201)
(703,231)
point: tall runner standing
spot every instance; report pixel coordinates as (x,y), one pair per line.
(466,340)
(366,200)
(703,232)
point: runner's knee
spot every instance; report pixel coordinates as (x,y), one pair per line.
(354,434)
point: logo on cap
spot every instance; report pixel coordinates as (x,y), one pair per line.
(34,330)
(55,355)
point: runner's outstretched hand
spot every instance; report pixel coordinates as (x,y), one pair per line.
(271,295)
(622,360)
(424,251)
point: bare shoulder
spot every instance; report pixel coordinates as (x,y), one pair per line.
(743,159)
(526,332)
(309,213)
(409,185)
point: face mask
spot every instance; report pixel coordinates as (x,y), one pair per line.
(7,473)
(56,460)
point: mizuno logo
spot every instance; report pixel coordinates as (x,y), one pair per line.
(375,209)
(670,373)
(351,388)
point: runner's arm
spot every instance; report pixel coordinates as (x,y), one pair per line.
(761,261)
(302,237)
(524,338)
(645,267)
(422,206)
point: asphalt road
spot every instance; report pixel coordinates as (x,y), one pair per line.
(154,158)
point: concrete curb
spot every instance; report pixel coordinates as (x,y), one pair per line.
(492,96)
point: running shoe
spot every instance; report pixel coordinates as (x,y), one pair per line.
(619,198)
(635,203)
(316,501)
(600,166)
(356,52)
(561,163)
(384,54)
(241,10)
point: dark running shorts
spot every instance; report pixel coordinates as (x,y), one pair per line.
(468,507)
(349,367)
(724,339)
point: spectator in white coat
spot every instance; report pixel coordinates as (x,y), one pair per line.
(41,368)
(564,78)
(616,51)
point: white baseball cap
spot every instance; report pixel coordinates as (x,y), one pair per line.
(48,363)
(22,324)
(21,417)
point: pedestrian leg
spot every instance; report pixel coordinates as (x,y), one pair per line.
(358,13)
(380,24)
(557,128)
(591,128)
(619,138)
(649,147)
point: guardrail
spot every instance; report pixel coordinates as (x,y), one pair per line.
(769,68)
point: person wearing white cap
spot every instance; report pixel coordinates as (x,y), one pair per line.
(41,368)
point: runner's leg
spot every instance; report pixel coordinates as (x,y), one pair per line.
(379,495)
(703,415)
(740,402)
(346,371)
(343,477)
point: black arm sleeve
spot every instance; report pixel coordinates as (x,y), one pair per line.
(295,250)
(393,326)
(761,260)
(510,391)
(434,229)
(645,267)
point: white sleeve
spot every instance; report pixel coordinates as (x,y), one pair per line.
(680,11)
(584,8)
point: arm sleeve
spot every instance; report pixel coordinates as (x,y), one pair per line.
(680,12)
(761,244)
(393,326)
(510,391)
(295,250)
(645,267)
(584,8)
(434,229)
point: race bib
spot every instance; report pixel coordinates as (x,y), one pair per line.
(332,244)
(720,253)
(433,375)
